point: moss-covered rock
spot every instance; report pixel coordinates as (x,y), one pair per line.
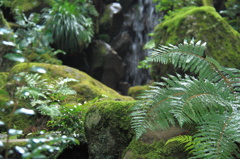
(87,88)
(202,23)
(108,129)
(154,150)
(137,90)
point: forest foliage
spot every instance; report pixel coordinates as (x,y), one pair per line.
(209,100)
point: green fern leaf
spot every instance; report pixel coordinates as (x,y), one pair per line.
(217,137)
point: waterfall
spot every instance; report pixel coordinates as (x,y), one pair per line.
(139,21)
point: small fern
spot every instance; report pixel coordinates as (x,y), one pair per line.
(187,140)
(210,101)
(44,96)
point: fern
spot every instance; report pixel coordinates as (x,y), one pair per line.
(184,139)
(42,94)
(210,100)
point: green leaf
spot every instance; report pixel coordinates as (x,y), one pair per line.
(15,57)
(24,111)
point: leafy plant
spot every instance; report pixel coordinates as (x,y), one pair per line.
(210,101)
(232,12)
(70,25)
(183,139)
(71,120)
(33,40)
(36,147)
(45,96)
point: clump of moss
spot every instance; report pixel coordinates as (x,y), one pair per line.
(114,112)
(155,150)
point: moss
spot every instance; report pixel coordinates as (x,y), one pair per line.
(27,5)
(137,90)
(115,113)
(107,128)
(155,150)
(87,88)
(202,23)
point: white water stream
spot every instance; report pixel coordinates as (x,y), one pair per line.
(139,22)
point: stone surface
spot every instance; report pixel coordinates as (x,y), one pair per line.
(111,20)
(105,64)
(107,128)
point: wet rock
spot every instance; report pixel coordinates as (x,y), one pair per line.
(107,128)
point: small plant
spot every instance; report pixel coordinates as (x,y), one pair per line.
(69,24)
(71,120)
(45,96)
(209,101)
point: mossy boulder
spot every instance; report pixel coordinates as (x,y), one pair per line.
(137,90)
(201,23)
(87,88)
(107,128)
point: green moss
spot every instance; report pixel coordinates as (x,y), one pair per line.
(115,113)
(137,90)
(27,5)
(19,121)
(202,23)
(155,150)
(87,88)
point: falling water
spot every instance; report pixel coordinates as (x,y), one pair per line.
(139,21)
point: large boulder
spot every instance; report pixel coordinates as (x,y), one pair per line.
(201,23)
(107,128)
(87,88)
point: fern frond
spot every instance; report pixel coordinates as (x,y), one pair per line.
(187,140)
(35,81)
(51,110)
(217,137)
(29,93)
(182,100)
(60,86)
(189,56)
